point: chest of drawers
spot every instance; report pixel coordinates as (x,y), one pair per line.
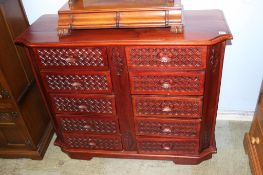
(132,93)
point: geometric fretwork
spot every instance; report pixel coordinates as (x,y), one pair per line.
(86,105)
(93,142)
(89,56)
(170,107)
(83,125)
(190,57)
(177,147)
(168,128)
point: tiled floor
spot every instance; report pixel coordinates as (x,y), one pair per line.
(230,160)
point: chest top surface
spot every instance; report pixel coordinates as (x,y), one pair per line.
(204,27)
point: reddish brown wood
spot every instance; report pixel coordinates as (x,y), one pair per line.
(179,128)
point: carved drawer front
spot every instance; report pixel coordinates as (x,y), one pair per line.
(181,57)
(157,106)
(177,83)
(168,146)
(70,81)
(93,142)
(88,125)
(84,104)
(8,118)
(83,57)
(168,127)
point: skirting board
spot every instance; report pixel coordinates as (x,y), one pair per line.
(235,115)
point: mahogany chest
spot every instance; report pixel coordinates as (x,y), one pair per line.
(132,93)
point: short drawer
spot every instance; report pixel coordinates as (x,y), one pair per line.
(92,142)
(168,127)
(8,117)
(87,104)
(168,146)
(82,57)
(181,57)
(176,83)
(160,106)
(77,81)
(88,125)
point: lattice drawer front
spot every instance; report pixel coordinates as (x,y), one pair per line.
(8,118)
(99,82)
(93,142)
(167,57)
(183,83)
(84,125)
(167,107)
(177,147)
(72,57)
(179,128)
(87,104)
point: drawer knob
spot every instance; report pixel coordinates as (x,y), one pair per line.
(167,109)
(70,60)
(165,59)
(166,85)
(76,84)
(255,140)
(92,144)
(166,146)
(82,107)
(167,130)
(87,127)
(1,96)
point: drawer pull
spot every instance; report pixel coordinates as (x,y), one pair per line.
(70,60)
(166,147)
(76,84)
(167,130)
(167,109)
(166,85)
(255,140)
(87,127)
(83,107)
(92,144)
(165,59)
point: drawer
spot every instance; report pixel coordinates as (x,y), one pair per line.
(77,81)
(8,117)
(93,142)
(176,83)
(168,146)
(160,106)
(87,104)
(82,57)
(168,127)
(88,125)
(181,57)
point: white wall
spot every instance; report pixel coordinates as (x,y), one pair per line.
(243,68)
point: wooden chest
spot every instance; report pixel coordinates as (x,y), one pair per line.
(253,139)
(95,14)
(132,93)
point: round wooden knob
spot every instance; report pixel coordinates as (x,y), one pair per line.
(76,84)
(92,144)
(82,107)
(167,109)
(165,59)
(166,85)
(255,140)
(70,59)
(167,147)
(87,127)
(167,130)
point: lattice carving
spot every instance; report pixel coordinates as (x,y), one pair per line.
(90,56)
(185,84)
(87,105)
(190,57)
(98,126)
(117,61)
(78,82)
(8,116)
(214,57)
(93,143)
(175,147)
(190,108)
(169,128)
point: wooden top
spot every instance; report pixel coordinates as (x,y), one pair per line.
(120,5)
(201,28)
